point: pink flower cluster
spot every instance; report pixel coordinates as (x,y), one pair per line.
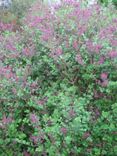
(6,26)
(7,72)
(93,48)
(104,78)
(79,59)
(112,54)
(34,118)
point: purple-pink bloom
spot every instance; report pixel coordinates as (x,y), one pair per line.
(72,113)
(58,52)
(104,76)
(93,48)
(75,44)
(63,130)
(101,60)
(35,139)
(6,120)
(79,59)
(86,135)
(11,47)
(42,101)
(104,83)
(34,118)
(113,42)
(112,54)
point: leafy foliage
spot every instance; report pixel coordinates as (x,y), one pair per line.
(107,2)
(59,82)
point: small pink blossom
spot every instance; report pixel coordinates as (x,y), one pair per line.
(75,44)
(79,59)
(97,48)
(14,91)
(114,42)
(42,101)
(112,54)
(36,20)
(86,135)
(6,26)
(67,44)
(6,120)
(33,118)
(11,47)
(82,30)
(104,76)
(97,112)
(98,94)
(104,83)
(72,113)
(63,130)
(93,48)
(35,139)
(7,72)
(34,85)
(58,52)
(28,51)
(101,60)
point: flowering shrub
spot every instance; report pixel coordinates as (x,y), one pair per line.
(59,82)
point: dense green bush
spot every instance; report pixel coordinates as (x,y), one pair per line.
(108,2)
(115,3)
(59,83)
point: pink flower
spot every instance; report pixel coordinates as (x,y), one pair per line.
(5,26)
(6,120)
(97,48)
(104,76)
(75,45)
(45,37)
(82,30)
(41,102)
(7,72)
(33,118)
(101,60)
(79,59)
(14,91)
(97,112)
(28,51)
(86,135)
(35,139)
(11,47)
(114,42)
(63,130)
(112,54)
(104,83)
(58,52)
(72,113)
(98,94)
(93,48)
(36,21)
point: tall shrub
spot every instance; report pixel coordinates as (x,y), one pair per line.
(58,82)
